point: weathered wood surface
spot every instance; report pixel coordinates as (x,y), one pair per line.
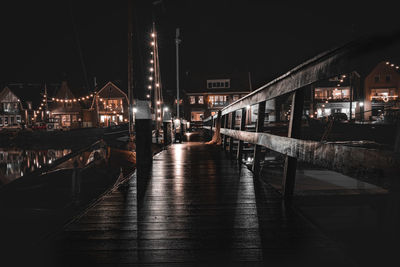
(334,62)
(200,208)
(341,158)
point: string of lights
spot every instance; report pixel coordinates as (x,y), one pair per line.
(155,79)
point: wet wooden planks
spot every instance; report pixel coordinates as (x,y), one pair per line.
(200,208)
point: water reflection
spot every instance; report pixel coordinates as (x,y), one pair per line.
(14,163)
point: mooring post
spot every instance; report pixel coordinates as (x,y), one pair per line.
(144,154)
(289,172)
(232,126)
(167,128)
(259,129)
(75,184)
(239,154)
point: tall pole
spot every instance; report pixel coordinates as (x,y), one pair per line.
(130,66)
(177,41)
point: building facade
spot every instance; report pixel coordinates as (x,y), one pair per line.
(381,91)
(111,105)
(12,112)
(65,108)
(206,94)
(338,94)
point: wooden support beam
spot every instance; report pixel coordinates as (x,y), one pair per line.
(239,154)
(212,126)
(397,141)
(259,129)
(226,118)
(289,172)
(232,126)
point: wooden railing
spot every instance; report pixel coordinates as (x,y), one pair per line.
(341,158)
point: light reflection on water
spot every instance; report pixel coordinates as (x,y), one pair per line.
(14,162)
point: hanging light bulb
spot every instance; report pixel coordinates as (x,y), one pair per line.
(151,61)
(152,43)
(158,102)
(150,78)
(149,87)
(148,96)
(151,69)
(157,84)
(153,34)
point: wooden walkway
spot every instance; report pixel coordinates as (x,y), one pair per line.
(200,209)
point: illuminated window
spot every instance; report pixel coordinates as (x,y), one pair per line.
(337,93)
(201,99)
(192,100)
(383,94)
(218,100)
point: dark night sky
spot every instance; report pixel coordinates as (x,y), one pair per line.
(268,38)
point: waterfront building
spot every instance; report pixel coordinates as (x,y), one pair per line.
(65,108)
(111,105)
(338,94)
(12,112)
(205,94)
(381,90)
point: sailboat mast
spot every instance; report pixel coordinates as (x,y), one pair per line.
(130,65)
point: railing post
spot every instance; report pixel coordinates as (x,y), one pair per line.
(225,126)
(232,126)
(239,154)
(259,129)
(289,172)
(212,124)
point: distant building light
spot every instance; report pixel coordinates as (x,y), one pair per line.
(387,62)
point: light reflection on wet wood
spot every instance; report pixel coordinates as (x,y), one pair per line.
(199,207)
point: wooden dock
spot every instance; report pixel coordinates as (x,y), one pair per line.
(200,209)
